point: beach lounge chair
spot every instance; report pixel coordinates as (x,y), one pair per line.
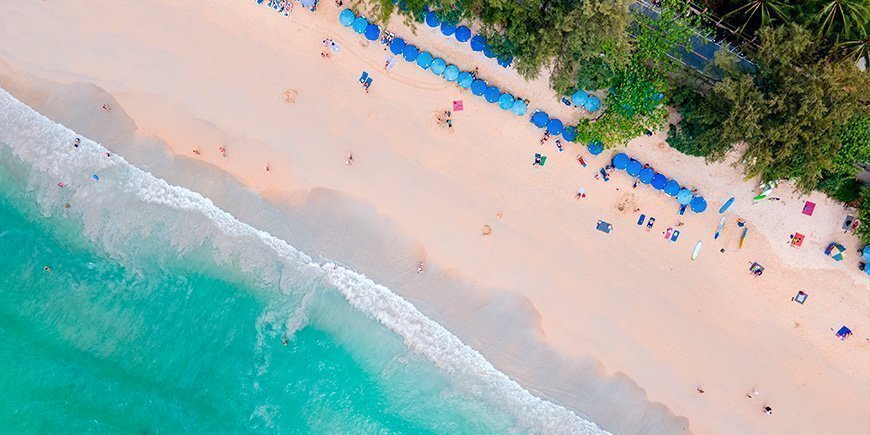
(603,226)
(363,77)
(801,297)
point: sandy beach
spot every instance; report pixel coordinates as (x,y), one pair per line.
(622,327)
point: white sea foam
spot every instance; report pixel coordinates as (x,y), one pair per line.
(45,146)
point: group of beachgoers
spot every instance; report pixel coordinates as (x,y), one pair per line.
(445,119)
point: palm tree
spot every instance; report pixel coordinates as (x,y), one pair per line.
(857,49)
(765,10)
(849,15)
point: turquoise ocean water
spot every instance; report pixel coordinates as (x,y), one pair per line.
(162,313)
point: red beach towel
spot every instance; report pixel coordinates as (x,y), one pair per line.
(457,105)
(808,208)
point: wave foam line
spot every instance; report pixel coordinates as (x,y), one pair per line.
(44,145)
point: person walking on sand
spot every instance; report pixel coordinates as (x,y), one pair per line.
(267,168)
(106,108)
(767,410)
(223,151)
(349,160)
(581,193)
(77,142)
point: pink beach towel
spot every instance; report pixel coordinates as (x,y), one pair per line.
(808,208)
(457,105)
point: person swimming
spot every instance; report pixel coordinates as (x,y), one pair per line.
(47,269)
(77,142)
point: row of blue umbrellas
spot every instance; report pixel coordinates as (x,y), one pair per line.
(658,181)
(463,34)
(437,66)
(555,127)
(586,101)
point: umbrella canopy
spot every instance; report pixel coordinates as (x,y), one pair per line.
(462,34)
(633,168)
(424,60)
(836,251)
(478,87)
(410,53)
(487,51)
(398,45)
(451,73)
(579,98)
(596,148)
(570,133)
(672,188)
(554,127)
(505,61)
(684,196)
(360,24)
(478,43)
(592,103)
(346,17)
(866,253)
(620,161)
(492,94)
(540,119)
(506,101)
(646,175)
(438,66)
(520,107)
(447,29)
(432,19)
(659,181)
(465,79)
(698,204)
(372,32)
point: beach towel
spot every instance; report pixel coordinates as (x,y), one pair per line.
(391,63)
(801,297)
(848,222)
(363,76)
(675,236)
(457,105)
(808,208)
(603,227)
(797,240)
(641,219)
(334,47)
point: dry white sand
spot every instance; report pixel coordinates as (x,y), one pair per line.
(202,77)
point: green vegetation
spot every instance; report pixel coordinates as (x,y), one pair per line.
(863,232)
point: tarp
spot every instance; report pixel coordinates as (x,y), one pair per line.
(451,73)
(659,181)
(424,60)
(620,161)
(397,46)
(698,204)
(438,66)
(465,80)
(570,133)
(478,43)
(579,98)
(646,175)
(633,168)
(684,196)
(372,32)
(492,94)
(432,19)
(487,51)
(410,53)
(672,188)
(447,29)
(554,127)
(346,17)
(596,148)
(540,119)
(506,101)
(592,103)
(478,87)
(360,24)
(520,107)
(462,34)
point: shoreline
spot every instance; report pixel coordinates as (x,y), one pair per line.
(408,186)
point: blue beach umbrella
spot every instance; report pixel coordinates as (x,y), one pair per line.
(438,66)
(579,98)
(451,73)
(462,34)
(372,32)
(596,148)
(620,161)
(633,168)
(478,87)
(592,103)
(554,127)
(487,51)
(465,79)
(570,133)
(672,188)
(346,17)
(520,107)
(698,204)
(397,46)
(447,29)
(540,119)
(865,254)
(424,60)
(506,101)
(432,19)
(659,181)
(478,43)
(410,53)
(492,94)
(360,24)
(646,175)
(505,61)
(684,196)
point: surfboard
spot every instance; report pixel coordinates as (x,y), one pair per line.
(726,205)
(743,237)
(719,230)
(697,250)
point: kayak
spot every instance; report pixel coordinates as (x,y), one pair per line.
(697,250)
